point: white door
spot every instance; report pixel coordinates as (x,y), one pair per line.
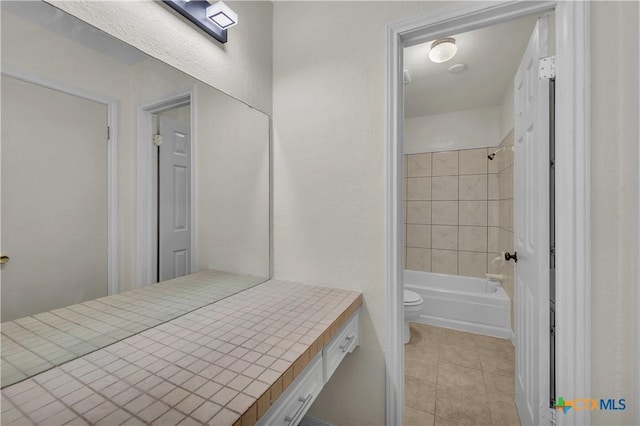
(532,230)
(54,199)
(175,198)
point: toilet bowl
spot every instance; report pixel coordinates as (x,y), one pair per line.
(412,308)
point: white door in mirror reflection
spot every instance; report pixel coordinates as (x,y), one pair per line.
(54,199)
(175,195)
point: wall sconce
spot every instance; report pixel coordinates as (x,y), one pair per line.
(212,19)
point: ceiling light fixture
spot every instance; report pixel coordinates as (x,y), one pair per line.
(443,50)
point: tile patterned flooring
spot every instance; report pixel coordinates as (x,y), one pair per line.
(458,378)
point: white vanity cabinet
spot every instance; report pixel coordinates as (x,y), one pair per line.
(292,405)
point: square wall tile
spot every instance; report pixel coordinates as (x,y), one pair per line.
(444,188)
(493,213)
(493,239)
(419,212)
(418,259)
(444,261)
(418,236)
(473,187)
(444,212)
(473,213)
(506,183)
(494,260)
(419,188)
(493,190)
(473,238)
(419,165)
(445,163)
(506,240)
(472,264)
(444,237)
(473,161)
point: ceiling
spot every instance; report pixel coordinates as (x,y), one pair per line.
(492,55)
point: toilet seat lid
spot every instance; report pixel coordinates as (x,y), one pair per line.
(411,297)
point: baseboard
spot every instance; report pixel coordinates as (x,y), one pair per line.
(311,421)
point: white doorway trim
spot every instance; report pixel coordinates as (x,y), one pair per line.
(147,232)
(112,156)
(573,278)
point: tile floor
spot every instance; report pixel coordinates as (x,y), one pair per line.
(458,378)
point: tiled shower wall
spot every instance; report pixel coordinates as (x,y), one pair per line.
(457,221)
(505,224)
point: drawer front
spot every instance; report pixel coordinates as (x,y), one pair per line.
(297,399)
(343,343)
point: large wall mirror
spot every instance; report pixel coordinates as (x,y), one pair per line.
(132,193)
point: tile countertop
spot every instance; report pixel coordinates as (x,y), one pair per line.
(36,343)
(223,364)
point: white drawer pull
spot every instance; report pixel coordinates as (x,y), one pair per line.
(305,402)
(346,345)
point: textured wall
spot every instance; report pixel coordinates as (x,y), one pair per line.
(474,128)
(329,174)
(241,67)
(614,206)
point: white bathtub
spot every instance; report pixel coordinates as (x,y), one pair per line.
(465,303)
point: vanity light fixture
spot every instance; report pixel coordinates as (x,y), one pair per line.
(212,19)
(443,50)
(222,15)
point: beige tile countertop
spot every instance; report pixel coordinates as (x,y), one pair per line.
(36,343)
(223,364)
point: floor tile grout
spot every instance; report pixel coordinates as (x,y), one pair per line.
(424,336)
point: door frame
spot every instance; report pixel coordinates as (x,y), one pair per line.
(573,236)
(28,76)
(146,176)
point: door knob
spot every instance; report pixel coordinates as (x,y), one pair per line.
(3,258)
(509,256)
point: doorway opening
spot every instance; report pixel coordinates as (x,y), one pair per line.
(465,224)
(533,232)
(166,213)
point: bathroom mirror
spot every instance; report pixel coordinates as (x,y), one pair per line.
(132,193)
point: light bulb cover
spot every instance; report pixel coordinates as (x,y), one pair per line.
(222,15)
(443,50)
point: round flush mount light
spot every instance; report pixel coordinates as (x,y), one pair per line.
(443,50)
(455,69)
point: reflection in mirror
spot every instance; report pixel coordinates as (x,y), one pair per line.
(118,172)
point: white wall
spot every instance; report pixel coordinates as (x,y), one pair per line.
(233,185)
(329,174)
(241,67)
(329,212)
(614,206)
(506,112)
(475,128)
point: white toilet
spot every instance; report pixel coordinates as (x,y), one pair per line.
(412,308)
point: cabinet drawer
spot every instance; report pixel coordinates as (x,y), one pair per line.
(297,399)
(343,343)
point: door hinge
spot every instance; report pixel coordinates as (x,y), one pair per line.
(108,133)
(547,68)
